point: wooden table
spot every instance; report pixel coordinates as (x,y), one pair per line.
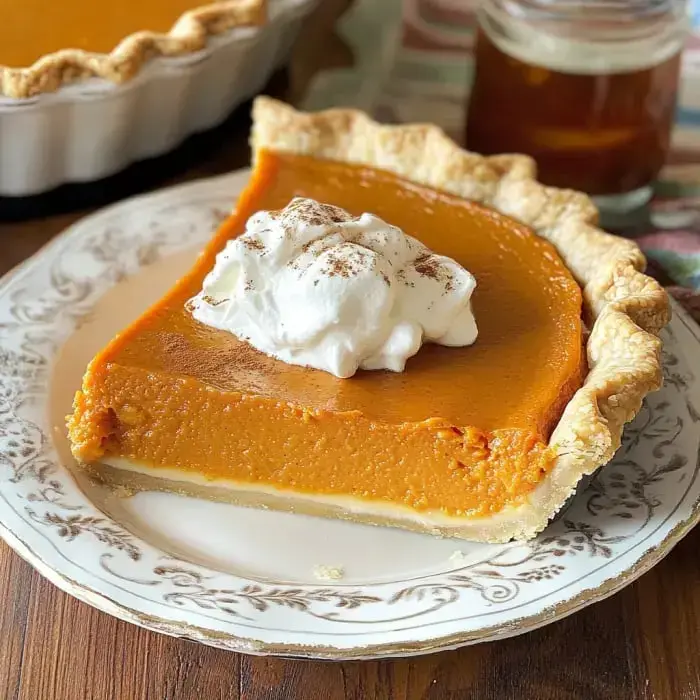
(643,643)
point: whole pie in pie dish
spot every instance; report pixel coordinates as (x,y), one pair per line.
(44,45)
(484,441)
(87,88)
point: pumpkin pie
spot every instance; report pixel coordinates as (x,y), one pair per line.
(484,442)
(44,45)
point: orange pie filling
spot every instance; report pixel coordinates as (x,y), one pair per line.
(462,431)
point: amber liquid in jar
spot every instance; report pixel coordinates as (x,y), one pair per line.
(596,121)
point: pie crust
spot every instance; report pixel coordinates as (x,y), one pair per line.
(188,34)
(624,308)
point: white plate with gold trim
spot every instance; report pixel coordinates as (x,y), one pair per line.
(247,580)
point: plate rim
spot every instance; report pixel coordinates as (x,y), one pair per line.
(242,645)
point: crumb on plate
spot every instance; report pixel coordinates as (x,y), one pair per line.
(328,573)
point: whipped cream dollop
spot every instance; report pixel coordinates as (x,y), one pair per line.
(313,285)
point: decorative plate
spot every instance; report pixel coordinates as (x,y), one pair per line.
(247,580)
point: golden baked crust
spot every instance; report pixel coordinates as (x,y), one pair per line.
(187,35)
(625,309)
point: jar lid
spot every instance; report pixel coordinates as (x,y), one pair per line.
(587,36)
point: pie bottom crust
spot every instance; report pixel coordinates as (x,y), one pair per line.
(127,477)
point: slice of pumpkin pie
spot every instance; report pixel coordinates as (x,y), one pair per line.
(387,329)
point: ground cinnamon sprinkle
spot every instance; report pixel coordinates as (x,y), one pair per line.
(313,213)
(210,300)
(339,267)
(218,360)
(253,243)
(401,276)
(427,266)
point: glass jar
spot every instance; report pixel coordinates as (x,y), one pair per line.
(586,87)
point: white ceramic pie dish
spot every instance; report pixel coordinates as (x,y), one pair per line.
(92,129)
